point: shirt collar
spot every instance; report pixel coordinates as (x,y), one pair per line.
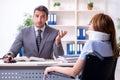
(43,28)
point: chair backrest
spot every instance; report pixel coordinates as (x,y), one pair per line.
(98,68)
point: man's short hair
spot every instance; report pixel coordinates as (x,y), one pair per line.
(42,8)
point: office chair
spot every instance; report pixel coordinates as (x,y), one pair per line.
(96,68)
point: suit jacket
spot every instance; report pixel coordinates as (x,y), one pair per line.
(27,40)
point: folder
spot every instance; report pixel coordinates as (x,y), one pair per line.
(81,34)
(78,48)
(54,19)
(49,19)
(69,48)
(73,49)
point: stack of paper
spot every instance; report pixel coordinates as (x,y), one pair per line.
(69,58)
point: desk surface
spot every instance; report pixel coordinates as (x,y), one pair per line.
(45,63)
(29,70)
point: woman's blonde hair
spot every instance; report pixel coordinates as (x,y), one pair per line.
(104,23)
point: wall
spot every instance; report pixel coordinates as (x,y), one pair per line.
(11,16)
(113,10)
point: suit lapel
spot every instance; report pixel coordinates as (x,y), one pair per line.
(45,36)
(33,35)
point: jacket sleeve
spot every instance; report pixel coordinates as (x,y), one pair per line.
(58,50)
(16,46)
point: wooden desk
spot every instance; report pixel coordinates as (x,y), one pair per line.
(28,70)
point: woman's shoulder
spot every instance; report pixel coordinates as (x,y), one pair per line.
(93,43)
(96,41)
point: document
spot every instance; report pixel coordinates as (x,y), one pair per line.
(69,58)
(24,58)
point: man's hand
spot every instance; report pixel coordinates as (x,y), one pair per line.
(8,58)
(61,34)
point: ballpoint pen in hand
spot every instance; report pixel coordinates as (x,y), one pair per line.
(8,58)
(1,58)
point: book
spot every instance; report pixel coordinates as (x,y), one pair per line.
(24,58)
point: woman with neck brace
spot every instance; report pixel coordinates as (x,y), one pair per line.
(102,39)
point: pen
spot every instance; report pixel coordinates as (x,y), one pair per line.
(1,58)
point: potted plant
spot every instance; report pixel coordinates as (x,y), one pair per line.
(57,5)
(118,27)
(27,21)
(90,5)
(119,42)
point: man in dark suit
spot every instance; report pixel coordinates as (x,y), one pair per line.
(50,43)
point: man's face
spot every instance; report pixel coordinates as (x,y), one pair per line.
(40,18)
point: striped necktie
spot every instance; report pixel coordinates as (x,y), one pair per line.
(38,39)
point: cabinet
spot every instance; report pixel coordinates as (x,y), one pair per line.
(73,16)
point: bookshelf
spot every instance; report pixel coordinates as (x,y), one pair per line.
(73,16)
